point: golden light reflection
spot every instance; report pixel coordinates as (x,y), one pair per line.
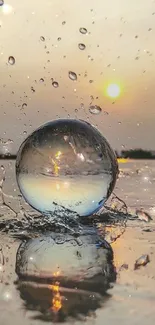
(57,300)
(122,160)
(114,206)
(56,168)
(57,273)
(58,154)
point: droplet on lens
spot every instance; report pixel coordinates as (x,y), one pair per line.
(55,84)
(42,38)
(33,90)
(11,60)
(95,109)
(72,75)
(81,46)
(83,30)
(24,105)
(2,168)
(66,163)
(41,80)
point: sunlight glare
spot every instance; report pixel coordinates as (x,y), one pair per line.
(7,9)
(113,90)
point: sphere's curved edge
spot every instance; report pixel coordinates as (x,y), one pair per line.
(97,158)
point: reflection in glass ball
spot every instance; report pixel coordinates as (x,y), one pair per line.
(66,163)
(60,274)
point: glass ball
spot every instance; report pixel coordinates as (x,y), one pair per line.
(66,163)
(62,273)
(88,254)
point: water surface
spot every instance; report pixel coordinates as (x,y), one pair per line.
(131,300)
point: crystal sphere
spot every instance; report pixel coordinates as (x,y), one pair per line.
(66,274)
(66,163)
(84,256)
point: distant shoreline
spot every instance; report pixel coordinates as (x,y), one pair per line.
(8,157)
(127,159)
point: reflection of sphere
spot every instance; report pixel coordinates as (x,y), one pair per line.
(66,163)
(60,273)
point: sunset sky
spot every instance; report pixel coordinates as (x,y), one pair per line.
(120,50)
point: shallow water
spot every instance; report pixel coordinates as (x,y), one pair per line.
(132,297)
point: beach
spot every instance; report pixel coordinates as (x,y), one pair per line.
(131,299)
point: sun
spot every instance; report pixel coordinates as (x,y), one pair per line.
(113,90)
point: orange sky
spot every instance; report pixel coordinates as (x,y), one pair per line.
(120,47)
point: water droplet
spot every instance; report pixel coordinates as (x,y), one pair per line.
(64,170)
(95,109)
(5,142)
(2,168)
(150,29)
(59,39)
(83,30)
(42,38)
(136,36)
(11,60)
(81,46)
(64,22)
(72,75)
(33,90)
(91,81)
(41,80)
(24,105)
(55,84)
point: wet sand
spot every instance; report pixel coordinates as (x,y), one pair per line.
(132,297)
